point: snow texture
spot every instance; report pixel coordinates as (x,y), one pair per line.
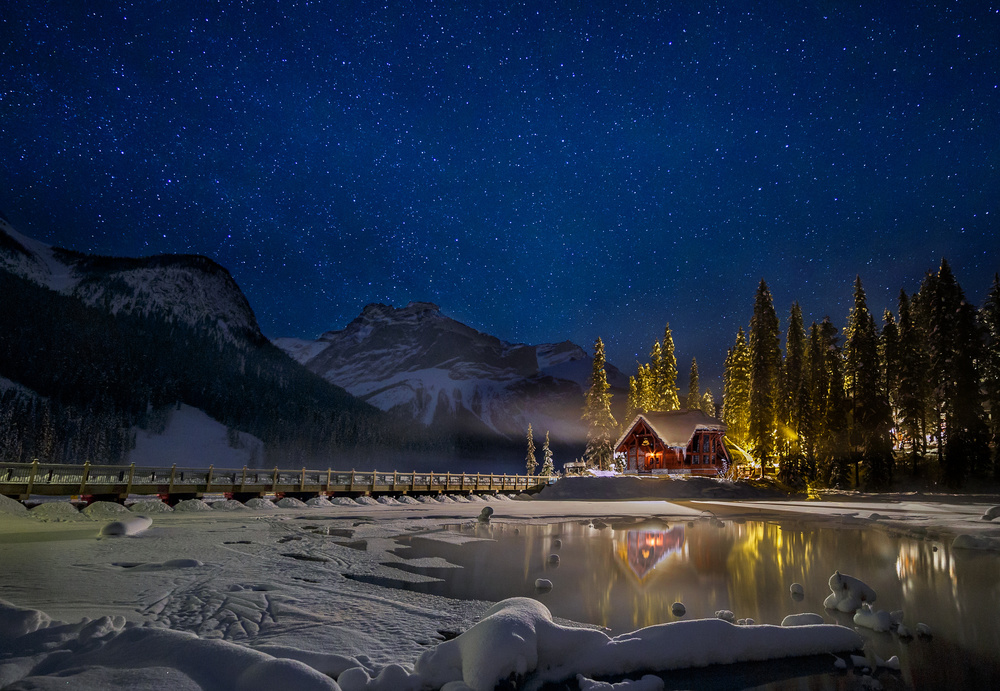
(847,593)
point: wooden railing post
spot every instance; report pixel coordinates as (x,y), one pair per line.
(328,472)
(173,472)
(302,480)
(131,475)
(31,478)
(208,480)
(274,480)
(352,480)
(413,480)
(243,479)
(83,478)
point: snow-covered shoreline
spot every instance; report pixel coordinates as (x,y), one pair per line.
(295,584)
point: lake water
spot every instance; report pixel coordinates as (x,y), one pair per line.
(626,575)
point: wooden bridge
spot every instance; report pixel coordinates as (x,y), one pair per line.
(116,483)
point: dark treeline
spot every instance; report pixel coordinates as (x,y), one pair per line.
(920,392)
(89,377)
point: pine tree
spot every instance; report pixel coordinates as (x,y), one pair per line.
(693,401)
(736,391)
(548,466)
(888,346)
(666,375)
(529,460)
(990,318)
(793,466)
(708,403)
(866,396)
(833,439)
(597,412)
(912,381)
(765,368)
(633,405)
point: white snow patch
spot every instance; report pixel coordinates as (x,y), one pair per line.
(192,439)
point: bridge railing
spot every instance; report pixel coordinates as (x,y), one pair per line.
(23,479)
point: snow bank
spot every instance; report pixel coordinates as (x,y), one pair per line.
(12,507)
(407,499)
(646,683)
(259,504)
(56,511)
(192,505)
(803,619)
(290,503)
(150,506)
(517,638)
(229,505)
(319,502)
(132,525)
(19,621)
(101,510)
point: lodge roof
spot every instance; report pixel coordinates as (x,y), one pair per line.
(675,427)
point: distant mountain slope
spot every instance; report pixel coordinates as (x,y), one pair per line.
(431,368)
(107,342)
(186,289)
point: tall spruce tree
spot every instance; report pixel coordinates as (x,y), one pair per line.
(736,391)
(990,319)
(793,465)
(954,343)
(870,419)
(708,403)
(597,412)
(693,400)
(548,466)
(888,345)
(765,368)
(633,404)
(529,459)
(833,440)
(912,381)
(666,376)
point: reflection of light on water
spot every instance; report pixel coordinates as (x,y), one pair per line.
(644,550)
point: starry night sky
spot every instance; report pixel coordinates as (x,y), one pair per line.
(545,171)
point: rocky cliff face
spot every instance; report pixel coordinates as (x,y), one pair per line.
(420,363)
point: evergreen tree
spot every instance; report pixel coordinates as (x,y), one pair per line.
(597,412)
(870,419)
(990,319)
(529,460)
(912,381)
(666,375)
(736,391)
(693,401)
(654,379)
(708,403)
(633,405)
(765,368)
(833,439)
(646,385)
(793,466)
(889,357)
(548,466)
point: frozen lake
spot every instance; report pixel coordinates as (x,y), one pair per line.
(626,574)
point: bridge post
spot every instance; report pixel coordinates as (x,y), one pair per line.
(83,478)
(430,481)
(328,473)
(31,478)
(131,476)
(274,481)
(302,480)
(413,481)
(208,479)
(173,472)
(243,479)
(352,480)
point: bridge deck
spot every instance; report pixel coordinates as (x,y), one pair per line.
(21,480)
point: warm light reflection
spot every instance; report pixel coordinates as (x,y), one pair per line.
(644,550)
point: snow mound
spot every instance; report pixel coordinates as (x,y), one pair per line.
(991,513)
(12,507)
(150,506)
(56,511)
(367,501)
(319,502)
(803,619)
(290,503)
(648,682)
(875,620)
(100,510)
(518,639)
(132,525)
(426,499)
(388,501)
(343,501)
(407,499)
(19,621)
(847,593)
(260,504)
(192,505)
(229,505)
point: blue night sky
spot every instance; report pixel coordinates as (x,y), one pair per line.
(542,171)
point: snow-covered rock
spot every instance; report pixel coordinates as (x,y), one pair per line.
(518,639)
(847,593)
(876,620)
(803,619)
(133,525)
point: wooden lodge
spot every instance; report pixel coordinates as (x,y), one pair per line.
(677,442)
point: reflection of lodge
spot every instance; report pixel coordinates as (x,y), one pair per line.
(642,550)
(685,442)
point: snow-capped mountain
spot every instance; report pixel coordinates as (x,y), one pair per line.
(188,289)
(417,361)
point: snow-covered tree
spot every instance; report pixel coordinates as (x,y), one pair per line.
(708,403)
(529,460)
(765,368)
(666,375)
(736,391)
(693,400)
(989,316)
(548,465)
(597,412)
